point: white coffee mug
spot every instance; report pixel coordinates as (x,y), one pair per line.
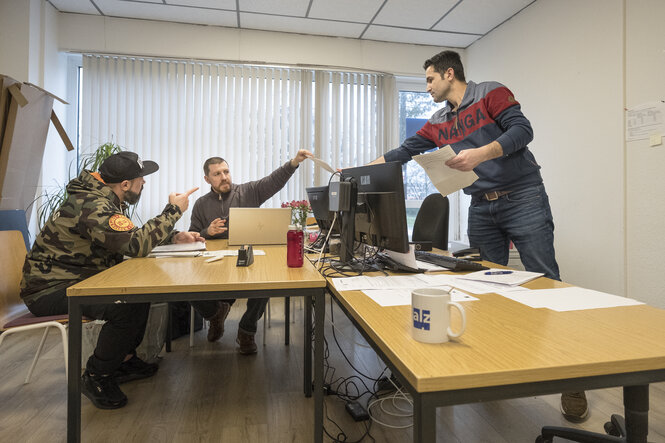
(430,309)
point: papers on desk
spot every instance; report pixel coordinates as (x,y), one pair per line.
(502,276)
(396,290)
(230,253)
(401,297)
(193,249)
(446,180)
(570,299)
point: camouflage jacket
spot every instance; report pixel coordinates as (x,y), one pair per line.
(86,235)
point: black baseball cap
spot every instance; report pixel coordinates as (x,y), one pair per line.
(125,165)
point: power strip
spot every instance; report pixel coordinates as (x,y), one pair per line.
(357,411)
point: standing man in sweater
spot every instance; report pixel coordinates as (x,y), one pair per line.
(210,217)
(484,125)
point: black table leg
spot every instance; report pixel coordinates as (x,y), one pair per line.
(424,420)
(307,357)
(74,373)
(319,312)
(636,410)
(287,319)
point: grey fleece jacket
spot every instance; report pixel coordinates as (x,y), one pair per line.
(247,195)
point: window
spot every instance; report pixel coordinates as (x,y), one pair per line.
(415,108)
(180,112)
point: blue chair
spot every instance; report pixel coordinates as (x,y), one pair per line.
(14,220)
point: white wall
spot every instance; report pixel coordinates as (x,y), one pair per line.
(29,53)
(645,166)
(563,60)
(14,39)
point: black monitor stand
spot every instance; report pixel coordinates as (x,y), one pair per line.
(347,225)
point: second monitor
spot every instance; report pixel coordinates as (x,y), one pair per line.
(377,213)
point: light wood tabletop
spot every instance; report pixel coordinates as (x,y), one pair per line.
(185,278)
(506,342)
(193,274)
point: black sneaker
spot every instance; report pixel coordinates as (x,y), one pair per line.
(103,391)
(134,369)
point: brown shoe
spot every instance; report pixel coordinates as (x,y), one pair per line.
(246,343)
(216,329)
(574,406)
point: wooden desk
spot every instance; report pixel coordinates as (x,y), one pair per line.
(510,350)
(190,278)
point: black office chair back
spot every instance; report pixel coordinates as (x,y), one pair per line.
(432,221)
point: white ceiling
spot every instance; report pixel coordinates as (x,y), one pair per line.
(451,23)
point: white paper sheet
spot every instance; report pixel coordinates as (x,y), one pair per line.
(645,120)
(401,297)
(446,180)
(322,164)
(411,281)
(572,299)
(180,247)
(230,252)
(502,276)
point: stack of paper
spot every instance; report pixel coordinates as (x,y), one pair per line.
(570,299)
(193,249)
(502,276)
(446,180)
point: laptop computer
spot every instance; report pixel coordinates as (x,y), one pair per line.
(258,226)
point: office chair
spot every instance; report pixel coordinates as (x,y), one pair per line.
(14,220)
(636,403)
(432,221)
(14,316)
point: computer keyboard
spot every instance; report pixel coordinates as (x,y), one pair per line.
(452,263)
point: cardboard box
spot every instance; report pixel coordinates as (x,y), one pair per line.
(25,114)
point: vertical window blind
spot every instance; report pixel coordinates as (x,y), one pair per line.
(179,113)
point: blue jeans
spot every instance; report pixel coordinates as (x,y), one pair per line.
(523,217)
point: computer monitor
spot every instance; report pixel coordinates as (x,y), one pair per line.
(377,213)
(318,200)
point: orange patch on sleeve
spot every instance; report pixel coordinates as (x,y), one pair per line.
(119,222)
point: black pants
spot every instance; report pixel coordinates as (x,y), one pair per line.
(121,334)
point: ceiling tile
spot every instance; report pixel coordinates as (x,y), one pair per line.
(300,25)
(158,11)
(345,10)
(83,7)
(296,8)
(480,16)
(434,38)
(405,13)
(229,5)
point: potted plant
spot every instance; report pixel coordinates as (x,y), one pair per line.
(50,200)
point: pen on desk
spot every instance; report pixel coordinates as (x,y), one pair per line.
(219,257)
(498,272)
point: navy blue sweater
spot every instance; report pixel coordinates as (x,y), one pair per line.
(488,112)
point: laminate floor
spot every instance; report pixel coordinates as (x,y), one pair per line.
(210,393)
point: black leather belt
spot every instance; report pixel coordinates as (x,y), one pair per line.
(494,195)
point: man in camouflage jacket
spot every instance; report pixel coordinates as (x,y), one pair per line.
(86,235)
